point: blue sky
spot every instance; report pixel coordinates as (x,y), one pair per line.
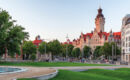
(54,19)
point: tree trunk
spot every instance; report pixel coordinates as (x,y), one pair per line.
(5,53)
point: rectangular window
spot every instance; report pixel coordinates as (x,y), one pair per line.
(126,57)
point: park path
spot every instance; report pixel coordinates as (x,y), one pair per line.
(92,67)
(31,72)
(38,71)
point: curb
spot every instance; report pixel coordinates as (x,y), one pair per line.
(47,76)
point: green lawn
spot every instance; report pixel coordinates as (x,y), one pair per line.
(93,74)
(49,64)
(27,79)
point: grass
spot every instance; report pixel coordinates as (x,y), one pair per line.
(93,74)
(48,64)
(27,79)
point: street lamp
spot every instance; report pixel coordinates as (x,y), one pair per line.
(67,46)
(112,52)
(45,45)
(82,51)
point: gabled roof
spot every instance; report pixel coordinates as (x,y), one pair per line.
(103,33)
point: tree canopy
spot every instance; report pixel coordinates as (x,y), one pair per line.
(86,51)
(67,50)
(11,35)
(44,48)
(55,47)
(28,49)
(76,52)
(97,52)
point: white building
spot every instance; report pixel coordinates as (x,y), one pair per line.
(125,39)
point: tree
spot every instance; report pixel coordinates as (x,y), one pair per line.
(28,49)
(16,35)
(107,49)
(97,52)
(70,48)
(10,35)
(86,51)
(43,48)
(55,48)
(76,52)
(67,50)
(33,57)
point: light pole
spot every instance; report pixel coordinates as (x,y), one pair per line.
(112,52)
(45,46)
(82,51)
(22,50)
(67,47)
(115,49)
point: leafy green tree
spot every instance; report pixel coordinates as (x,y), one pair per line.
(76,52)
(16,35)
(11,35)
(115,48)
(28,49)
(63,53)
(33,57)
(43,47)
(107,49)
(67,49)
(97,52)
(70,48)
(55,48)
(87,51)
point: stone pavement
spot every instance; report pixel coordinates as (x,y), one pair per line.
(39,71)
(31,72)
(93,67)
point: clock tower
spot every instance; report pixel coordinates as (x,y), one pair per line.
(100,21)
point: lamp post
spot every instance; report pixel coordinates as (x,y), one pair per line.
(22,50)
(67,47)
(82,51)
(112,53)
(46,45)
(115,49)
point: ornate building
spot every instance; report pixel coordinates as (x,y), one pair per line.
(97,37)
(125,57)
(37,41)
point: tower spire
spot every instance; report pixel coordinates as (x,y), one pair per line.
(100,21)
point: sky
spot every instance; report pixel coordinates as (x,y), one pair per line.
(54,19)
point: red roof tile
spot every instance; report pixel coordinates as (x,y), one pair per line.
(37,42)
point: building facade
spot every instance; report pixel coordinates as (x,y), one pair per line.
(97,37)
(125,32)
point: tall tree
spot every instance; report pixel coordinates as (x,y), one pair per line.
(97,52)
(86,51)
(28,49)
(67,50)
(55,48)
(43,48)
(107,49)
(10,35)
(76,52)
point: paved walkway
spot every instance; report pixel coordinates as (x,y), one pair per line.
(38,71)
(92,67)
(31,72)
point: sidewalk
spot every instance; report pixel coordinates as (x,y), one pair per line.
(31,72)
